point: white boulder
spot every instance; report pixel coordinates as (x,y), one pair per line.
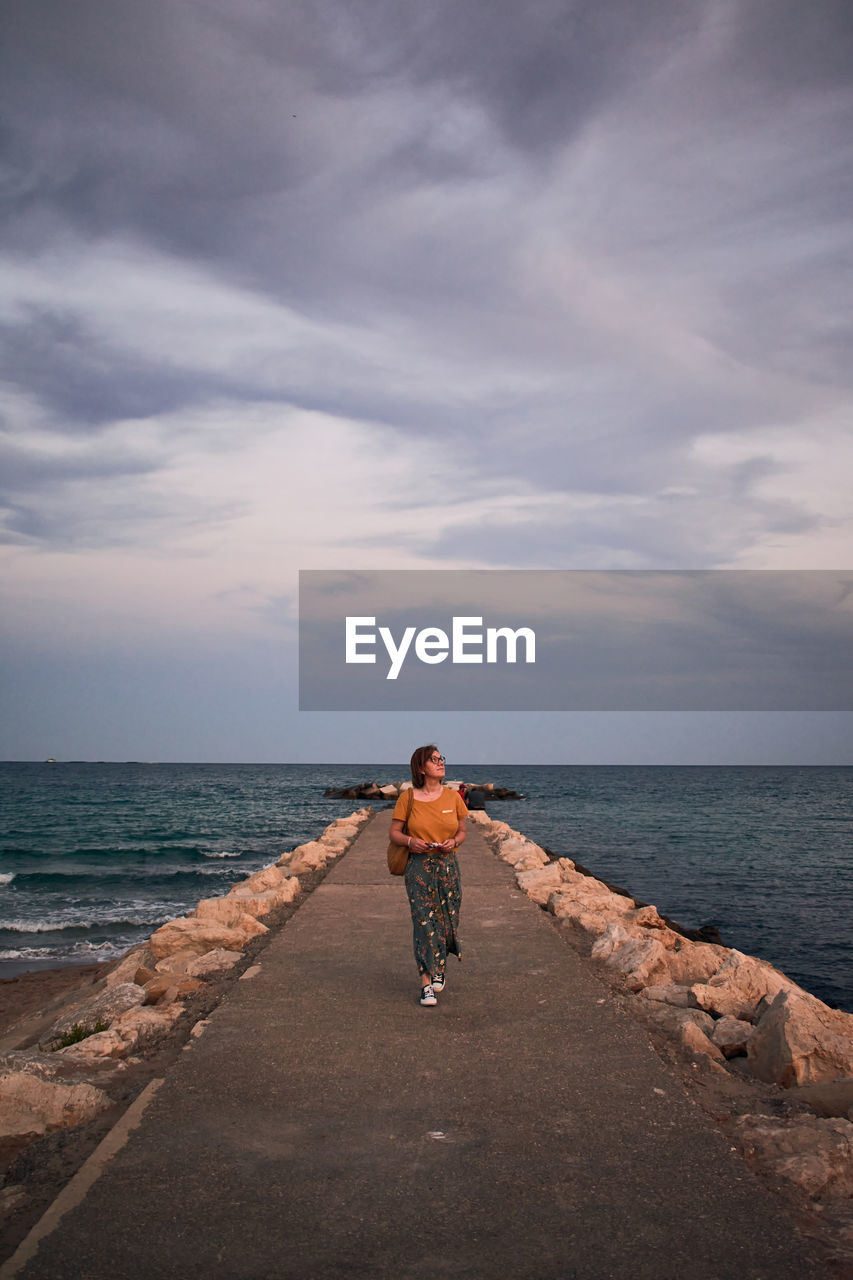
(540,882)
(732,1035)
(200,935)
(813,1153)
(267,878)
(105,1008)
(33,1102)
(585,903)
(211,962)
(136,958)
(229,911)
(261,904)
(799,1040)
(311,856)
(739,985)
(636,958)
(670,993)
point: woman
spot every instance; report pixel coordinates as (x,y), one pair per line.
(436,830)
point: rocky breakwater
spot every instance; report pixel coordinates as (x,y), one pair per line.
(57,1066)
(390,790)
(731,1014)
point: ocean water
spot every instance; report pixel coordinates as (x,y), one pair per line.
(93,857)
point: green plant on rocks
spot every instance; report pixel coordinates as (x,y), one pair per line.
(80,1032)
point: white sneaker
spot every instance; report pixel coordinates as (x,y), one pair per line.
(438,984)
(428,995)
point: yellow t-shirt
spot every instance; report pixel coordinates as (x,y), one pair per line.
(433,820)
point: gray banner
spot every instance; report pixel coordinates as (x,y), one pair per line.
(566,640)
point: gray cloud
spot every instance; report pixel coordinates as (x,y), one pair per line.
(580,236)
(82,380)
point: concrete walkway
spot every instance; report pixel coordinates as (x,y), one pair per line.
(325,1125)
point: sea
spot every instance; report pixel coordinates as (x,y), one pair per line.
(94,857)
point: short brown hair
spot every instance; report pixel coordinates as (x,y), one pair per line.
(417,762)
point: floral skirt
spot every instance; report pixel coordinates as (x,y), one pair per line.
(435,896)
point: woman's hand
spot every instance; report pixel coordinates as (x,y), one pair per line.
(418,846)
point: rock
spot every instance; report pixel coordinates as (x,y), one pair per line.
(12,1197)
(34,1103)
(540,883)
(236,909)
(227,910)
(523,854)
(531,861)
(138,1029)
(170,987)
(800,1040)
(647,918)
(266,878)
(739,985)
(179,961)
(103,1044)
(311,856)
(695,1040)
(479,816)
(670,993)
(212,962)
(135,1030)
(261,904)
(514,849)
(587,905)
(674,1020)
(637,958)
(731,1035)
(815,1154)
(689,963)
(829,1098)
(389,791)
(691,1028)
(106,1008)
(334,845)
(201,935)
(126,968)
(142,1028)
(340,837)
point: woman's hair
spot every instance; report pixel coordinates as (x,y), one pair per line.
(417,763)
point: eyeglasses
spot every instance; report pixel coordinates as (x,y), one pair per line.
(438,760)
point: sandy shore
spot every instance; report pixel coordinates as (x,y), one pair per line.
(24,993)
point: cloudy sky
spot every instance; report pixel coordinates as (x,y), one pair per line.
(480,284)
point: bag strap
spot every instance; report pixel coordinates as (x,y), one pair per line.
(409,810)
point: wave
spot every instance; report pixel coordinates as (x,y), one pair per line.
(75,951)
(146,919)
(7,878)
(134,855)
(106,878)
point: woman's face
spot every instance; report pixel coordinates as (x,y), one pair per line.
(434,766)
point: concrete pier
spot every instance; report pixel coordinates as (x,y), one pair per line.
(325,1125)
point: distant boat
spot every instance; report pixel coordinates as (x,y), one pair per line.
(50,760)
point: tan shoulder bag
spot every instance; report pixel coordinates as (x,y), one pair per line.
(398,854)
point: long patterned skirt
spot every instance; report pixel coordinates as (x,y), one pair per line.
(435,896)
